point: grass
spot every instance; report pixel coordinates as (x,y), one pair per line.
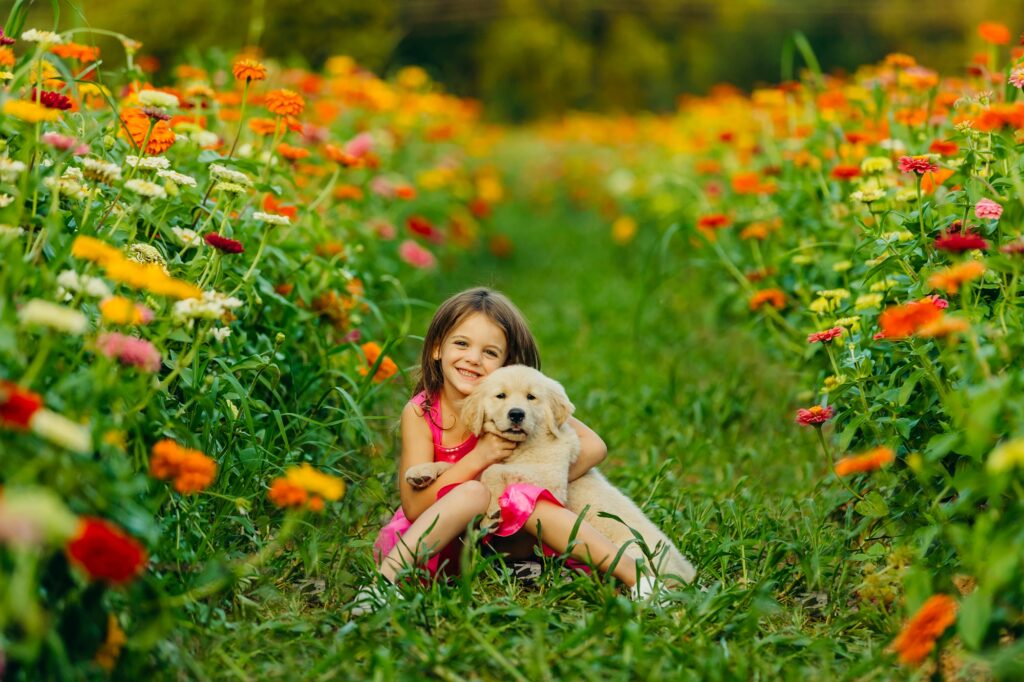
(699,430)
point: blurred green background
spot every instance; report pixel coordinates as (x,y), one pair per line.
(530,58)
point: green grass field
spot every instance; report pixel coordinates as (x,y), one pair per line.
(698,432)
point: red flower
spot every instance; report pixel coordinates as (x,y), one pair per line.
(105,552)
(960,241)
(51,100)
(713,221)
(944,147)
(17,405)
(814,416)
(223,243)
(845,172)
(1013,248)
(421,226)
(917,164)
(827,335)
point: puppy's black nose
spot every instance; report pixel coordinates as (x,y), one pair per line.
(516,415)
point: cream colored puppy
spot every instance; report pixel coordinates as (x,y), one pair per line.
(519,403)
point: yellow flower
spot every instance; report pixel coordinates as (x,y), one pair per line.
(412,77)
(820,305)
(868,301)
(852,322)
(842,266)
(623,229)
(313,481)
(1008,455)
(30,112)
(876,164)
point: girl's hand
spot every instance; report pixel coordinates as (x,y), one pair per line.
(493,449)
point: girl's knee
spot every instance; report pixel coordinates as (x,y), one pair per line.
(474,495)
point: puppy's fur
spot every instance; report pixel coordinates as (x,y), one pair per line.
(521,404)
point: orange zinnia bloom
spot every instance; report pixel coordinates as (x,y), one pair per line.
(191,470)
(136,123)
(901,321)
(262,126)
(248,70)
(83,53)
(950,279)
(868,461)
(387,368)
(292,153)
(285,103)
(286,494)
(944,326)
(918,637)
(994,32)
(773,297)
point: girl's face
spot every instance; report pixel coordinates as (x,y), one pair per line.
(472,350)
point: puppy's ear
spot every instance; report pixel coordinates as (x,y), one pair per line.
(558,408)
(473,412)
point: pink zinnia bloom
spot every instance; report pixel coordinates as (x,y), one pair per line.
(814,416)
(986,208)
(129,350)
(415,255)
(1017,78)
(917,164)
(383,229)
(827,335)
(65,143)
(1013,248)
(360,145)
(382,187)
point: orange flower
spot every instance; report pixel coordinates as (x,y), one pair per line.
(339,155)
(136,123)
(262,126)
(387,368)
(868,461)
(950,279)
(918,637)
(6,57)
(993,32)
(944,326)
(348,192)
(776,298)
(285,103)
(901,321)
(83,53)
(755,231)
(191,470)
(292,153)
(248,70)
(286,494)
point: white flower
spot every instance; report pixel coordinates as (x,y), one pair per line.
(61,431)
(219,172)
(6,75)
(187,237)
(211,306)
(34,517)
(155,98)
(10,231)
(6,200)
(229,187)
(69,280)
(44,313)
(204,138)
(221,333)
(10,170)
(101,171)
(272,218)
(145,188)
(46,37)
(867,196)
(148,162)
(177,178)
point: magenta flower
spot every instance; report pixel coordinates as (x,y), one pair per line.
(827,335)
(937,301)
(129,350)
(815,415)
(917,164)
(986,208)
(415,255)
(65,143)
(360,145)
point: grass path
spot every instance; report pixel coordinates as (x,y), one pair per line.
(700,431)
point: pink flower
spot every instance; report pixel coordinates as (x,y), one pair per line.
(1017,78)
(65,143)
(415,255)
(129,350)
(986,208)
(917,164)
(815,415)
(827,335)
(383,229)
(937,301)
(382,187)
(360,145)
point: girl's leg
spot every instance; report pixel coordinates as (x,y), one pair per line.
(444,521)
(556,524)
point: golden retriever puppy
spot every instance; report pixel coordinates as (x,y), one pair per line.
(519,403)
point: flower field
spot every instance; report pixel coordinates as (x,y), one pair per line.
(214,280)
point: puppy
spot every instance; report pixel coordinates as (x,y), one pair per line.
(519,403)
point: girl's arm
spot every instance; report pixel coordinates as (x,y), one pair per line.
(418,448)
(592,449)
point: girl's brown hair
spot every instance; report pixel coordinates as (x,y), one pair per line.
(522,348)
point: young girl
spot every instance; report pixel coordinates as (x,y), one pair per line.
(472,334)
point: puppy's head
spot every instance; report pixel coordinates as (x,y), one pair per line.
(517,402)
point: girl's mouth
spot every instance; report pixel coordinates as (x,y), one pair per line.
(466,373)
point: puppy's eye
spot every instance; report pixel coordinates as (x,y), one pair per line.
(530,396)
(500,396)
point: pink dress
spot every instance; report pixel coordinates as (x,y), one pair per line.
(516,503)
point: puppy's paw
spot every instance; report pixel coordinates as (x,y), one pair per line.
(491,520)
(422,475)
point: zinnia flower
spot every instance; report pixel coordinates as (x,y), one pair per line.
(949,280)
(776,298)
(284,103)
(1017,78)
(415,255)
(713,221)
(51,100)
(825,336)
(129,350)
(191,470)
(248,70)
(960,241)
(65,143)
(137,123)
(305,486)
(222,243)
(845,172)
(1006,456)
(816,415)
(868,461)
(387,368)
(918,637)
(901,321)
(17,406)
(421,226)
(46,314)
(917,164)
(105,552)
(993,32)
(30,112)
(120,310)
(986,208)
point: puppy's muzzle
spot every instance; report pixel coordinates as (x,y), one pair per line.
(516,415)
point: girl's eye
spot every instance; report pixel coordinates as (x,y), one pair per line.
(500,396)
(492,353)
(460,343)
(530,396)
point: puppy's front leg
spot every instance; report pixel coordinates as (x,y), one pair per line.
(421,476)
(494,477)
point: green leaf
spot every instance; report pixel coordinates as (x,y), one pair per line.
(872,506)
(941,444)
(908,387)
(973,619)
